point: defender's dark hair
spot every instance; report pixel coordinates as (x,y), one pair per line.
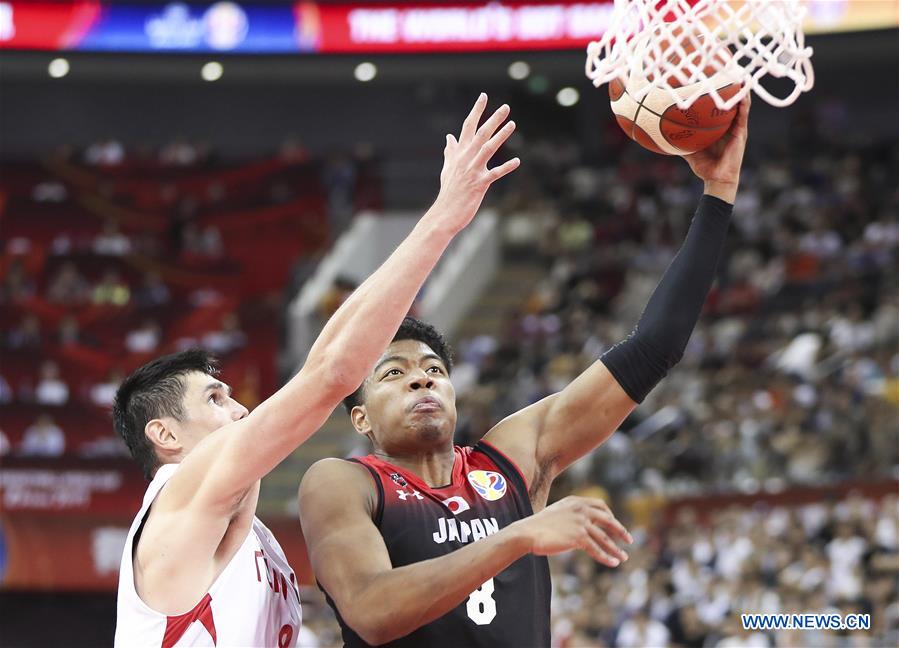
(410,329)
(152,391)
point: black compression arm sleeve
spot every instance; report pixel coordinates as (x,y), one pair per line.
(658,340)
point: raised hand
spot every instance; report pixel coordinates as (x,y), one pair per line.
(719,165)
(577,523)
(465,177)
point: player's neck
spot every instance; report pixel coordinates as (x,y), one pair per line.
(434,467)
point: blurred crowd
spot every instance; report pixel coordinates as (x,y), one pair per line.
(687,583)
(111,256)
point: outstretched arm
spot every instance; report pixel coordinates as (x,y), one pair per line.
(195,510)
(381,602)
(548,436)
(354,337)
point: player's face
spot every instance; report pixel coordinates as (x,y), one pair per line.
(208,406)
(410,403)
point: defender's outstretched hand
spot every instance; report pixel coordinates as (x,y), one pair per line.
(577,523)
(465,177)
(719,165)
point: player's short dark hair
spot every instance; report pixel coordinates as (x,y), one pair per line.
(152,391)
(410,329)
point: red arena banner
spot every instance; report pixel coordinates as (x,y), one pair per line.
(39,551)
(451,27)
(46,25)
(63,524)
(351,27)
(70,488)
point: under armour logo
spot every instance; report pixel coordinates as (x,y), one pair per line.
(404,495)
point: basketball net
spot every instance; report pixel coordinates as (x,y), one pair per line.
(693,47)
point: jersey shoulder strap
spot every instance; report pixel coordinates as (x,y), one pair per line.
(508,467)
(377,515)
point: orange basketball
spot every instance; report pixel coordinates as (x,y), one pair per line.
(657,123)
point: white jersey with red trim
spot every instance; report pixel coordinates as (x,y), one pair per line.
(253,602)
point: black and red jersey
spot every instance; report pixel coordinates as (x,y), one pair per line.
(487,493)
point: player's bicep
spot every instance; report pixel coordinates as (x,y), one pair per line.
(518,435)
(346,549)
(582,416)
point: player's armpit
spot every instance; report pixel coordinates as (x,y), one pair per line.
(550,435)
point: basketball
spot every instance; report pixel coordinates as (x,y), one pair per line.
(657,123)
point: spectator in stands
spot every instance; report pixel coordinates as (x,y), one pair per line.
(216,194)
(4,444)
(17,285)
(152,293)
(111,241)
(145,338)
(213,245)
(103,393)
(179,152)
(845,553)
(203,297)
(51,389)
(69,333)
(49,190)
(248,391)
(738,637)
(338,293)
(104,446)
(111,290)
(105,153)
(68,286)
(339,179)
(228,338)
(201,244)
(61,244)
(43,438)
(686,627)
(27,335)
(6,392)
(641,631)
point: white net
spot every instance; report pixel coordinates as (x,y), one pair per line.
(690,47)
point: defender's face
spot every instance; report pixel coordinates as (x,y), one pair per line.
(410,402)
(208,406)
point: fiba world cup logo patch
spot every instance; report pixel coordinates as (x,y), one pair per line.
(488,484)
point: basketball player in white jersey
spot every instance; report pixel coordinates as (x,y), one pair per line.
(199,569)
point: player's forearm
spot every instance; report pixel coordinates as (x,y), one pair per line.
(660,337)
(404,599)
(364,325)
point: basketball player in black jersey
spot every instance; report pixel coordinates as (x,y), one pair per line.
(427,544)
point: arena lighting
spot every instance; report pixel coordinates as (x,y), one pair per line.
(519,70)
(568,96)
(58,68)
(365,71)
(212,71)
